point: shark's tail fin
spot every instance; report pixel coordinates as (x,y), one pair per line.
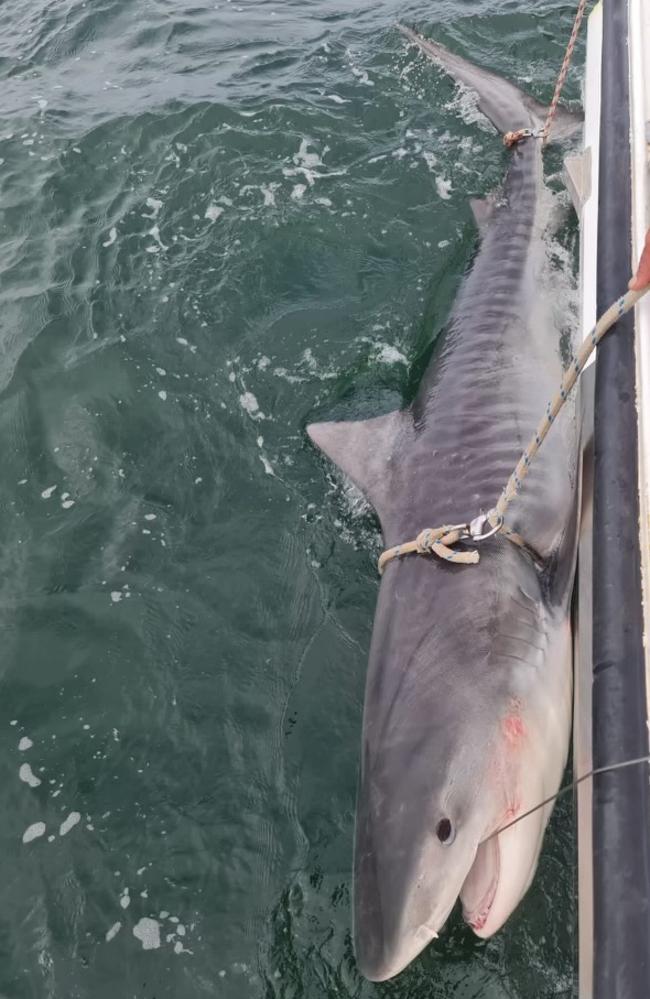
(507,107)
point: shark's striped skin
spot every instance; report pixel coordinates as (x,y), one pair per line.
(468,696)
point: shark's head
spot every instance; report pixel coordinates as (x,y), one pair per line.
(451,756)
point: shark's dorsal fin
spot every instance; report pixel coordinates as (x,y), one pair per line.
(365,451)
(506,106)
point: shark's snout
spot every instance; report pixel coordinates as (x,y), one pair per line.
(413,852)
(387,962)
(391,929)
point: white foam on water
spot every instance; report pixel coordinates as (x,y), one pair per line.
(355,502)
(336,99)
(444,188)
(268,193)
(27,775)
(150,516)
(430,159)
(361,74)
(268,468)
(465,103)
(147,932)
(48,492)
(249,403)
(305,163)
(213,212)
(154,232)
(313,366)
(69,823)
(25,744)
(306,159)
(116,596)
(155,205)
(34,831)
(114,930)
(125,898)
(298,191)
(388,354)
(112,236)
(162,395)
(287,377)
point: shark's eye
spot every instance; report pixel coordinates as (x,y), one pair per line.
(445,832)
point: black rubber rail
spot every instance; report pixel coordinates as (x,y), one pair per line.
(621,802)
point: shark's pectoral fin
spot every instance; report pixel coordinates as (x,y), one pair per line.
(365,450)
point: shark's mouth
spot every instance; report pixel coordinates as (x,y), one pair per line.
(480,886)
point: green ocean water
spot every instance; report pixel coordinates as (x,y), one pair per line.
(217,222)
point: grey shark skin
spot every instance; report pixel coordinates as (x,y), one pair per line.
(468,697)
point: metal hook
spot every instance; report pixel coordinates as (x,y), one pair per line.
(477,531)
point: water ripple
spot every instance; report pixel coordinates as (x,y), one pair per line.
(218,220)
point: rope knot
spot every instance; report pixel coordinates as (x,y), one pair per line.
(512,138)
(434,541)
(425,541)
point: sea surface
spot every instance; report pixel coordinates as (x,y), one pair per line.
(217,222)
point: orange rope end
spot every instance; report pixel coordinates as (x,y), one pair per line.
(511,139)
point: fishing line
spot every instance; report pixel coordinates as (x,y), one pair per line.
(571,787)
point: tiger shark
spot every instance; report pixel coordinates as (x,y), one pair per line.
(467,710)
